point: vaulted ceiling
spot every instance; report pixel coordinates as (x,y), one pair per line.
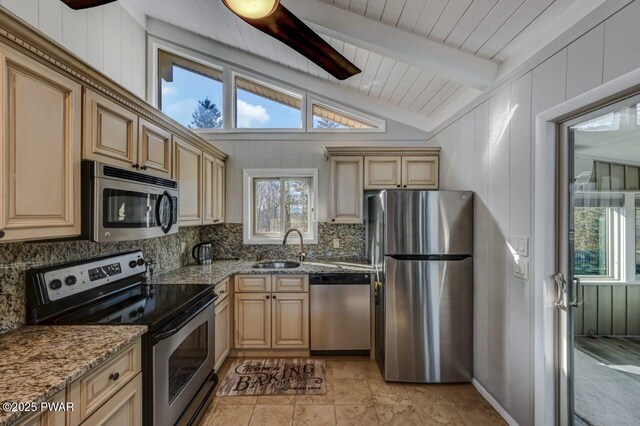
(420,55)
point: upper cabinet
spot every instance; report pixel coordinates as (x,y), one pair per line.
(154,152)
(110,131)
(57,111)
(40,150)
(188,172)
(346,189)
(353,170)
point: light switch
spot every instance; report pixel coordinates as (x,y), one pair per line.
(336,243)
(520,245)
(521,268)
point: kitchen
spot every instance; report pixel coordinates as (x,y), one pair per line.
(215,198)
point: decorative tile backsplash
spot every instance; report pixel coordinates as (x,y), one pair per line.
(227,243)
(16,258)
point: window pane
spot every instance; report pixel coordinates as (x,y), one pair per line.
(262,107)
(296,203)
(267,206)
(189,96)
(327,118)
(591,241)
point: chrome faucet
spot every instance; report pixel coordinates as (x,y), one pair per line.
(302,256)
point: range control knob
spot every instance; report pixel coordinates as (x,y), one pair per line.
(55,284)
(140,262)
(70,280)
(132,264)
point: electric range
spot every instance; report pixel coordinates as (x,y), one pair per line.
(177,351)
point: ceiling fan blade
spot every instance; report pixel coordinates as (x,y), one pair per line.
(85,4)
(289,29)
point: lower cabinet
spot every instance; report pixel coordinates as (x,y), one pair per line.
(109,394)
(123,409)
(276,318)
(222,332)
(290,321)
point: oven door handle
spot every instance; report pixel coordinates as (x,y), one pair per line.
(188,316)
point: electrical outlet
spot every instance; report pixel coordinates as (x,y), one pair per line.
(521,269)
(336,243)
(183,247)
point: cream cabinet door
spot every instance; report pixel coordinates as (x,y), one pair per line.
(290,320)
(154,153)
(420,172)
(382,172)
(110,131)
(346,189)
(40,149)
(48,418)
(214,196)
(252,320)
(123,409)
(187,171)
(222,332)
(221,192)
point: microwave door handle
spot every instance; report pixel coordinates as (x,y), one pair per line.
(167,228)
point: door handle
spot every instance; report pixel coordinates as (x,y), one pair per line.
(561,283)
(577,301)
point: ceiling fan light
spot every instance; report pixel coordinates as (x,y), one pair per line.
(252,9)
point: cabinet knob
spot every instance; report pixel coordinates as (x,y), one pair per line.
(405,186)
(144,167)
(136,166)
(398,186)
(267,296)
(114,376)
(1,234)
(274,296)
(333,220)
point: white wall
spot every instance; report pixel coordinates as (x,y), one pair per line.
(106,37)
(489,150)
(297,151)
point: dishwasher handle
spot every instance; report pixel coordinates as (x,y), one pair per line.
(340,278)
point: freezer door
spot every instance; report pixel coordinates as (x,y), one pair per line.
(428,321)
(428,222)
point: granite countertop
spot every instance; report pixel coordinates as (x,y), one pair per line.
(222,269)
(39,361)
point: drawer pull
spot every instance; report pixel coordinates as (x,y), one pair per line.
(114,376)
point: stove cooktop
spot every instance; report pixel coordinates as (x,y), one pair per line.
(134,307)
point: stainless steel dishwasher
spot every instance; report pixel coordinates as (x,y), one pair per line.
(340,313)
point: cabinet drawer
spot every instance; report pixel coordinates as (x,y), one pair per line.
(290,283)
(123,409)
(94,389)
(222,290)
(252,283)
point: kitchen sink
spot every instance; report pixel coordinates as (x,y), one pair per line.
(277,265)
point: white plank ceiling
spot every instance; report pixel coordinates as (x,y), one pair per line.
(489,29)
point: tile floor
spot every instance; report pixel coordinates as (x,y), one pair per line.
(357,395)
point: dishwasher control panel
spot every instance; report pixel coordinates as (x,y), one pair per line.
(340,278)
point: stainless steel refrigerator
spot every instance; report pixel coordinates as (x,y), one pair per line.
(421,244)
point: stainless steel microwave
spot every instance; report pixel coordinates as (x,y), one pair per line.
(123,205)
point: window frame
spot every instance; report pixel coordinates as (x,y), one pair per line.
(229,96)
(379,125)
(288,91)
(248,204)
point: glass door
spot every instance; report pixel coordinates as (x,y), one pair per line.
(599,258)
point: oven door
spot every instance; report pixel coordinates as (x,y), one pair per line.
(127,211)
(183,358)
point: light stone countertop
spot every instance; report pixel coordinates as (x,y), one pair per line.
(36,362)
(222,269)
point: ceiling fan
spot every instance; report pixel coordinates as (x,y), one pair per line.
(272,18)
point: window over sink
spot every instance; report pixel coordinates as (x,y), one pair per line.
(276,200)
